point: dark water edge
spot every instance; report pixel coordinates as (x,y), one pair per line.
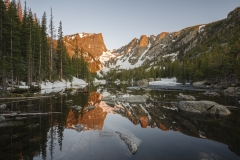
(163,133)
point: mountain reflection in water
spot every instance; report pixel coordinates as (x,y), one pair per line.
(126,130)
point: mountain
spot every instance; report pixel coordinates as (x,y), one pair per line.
(190,41)
(92,46)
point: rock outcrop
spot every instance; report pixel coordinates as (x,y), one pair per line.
(203,107)
(91,43)
(92,46)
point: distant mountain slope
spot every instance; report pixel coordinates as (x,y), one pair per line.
(190,41)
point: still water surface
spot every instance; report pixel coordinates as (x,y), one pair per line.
(151,130)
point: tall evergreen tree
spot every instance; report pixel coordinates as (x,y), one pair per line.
(60,50)
(19,9)
(2,45)
(13,41)
(51,27)
(43,56)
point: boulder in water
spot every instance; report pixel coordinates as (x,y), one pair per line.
(131,143)
(203,107)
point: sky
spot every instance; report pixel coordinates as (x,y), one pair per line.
(120,21)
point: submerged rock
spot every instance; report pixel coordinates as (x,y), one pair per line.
(80,127)
(208,156)
(2,118)
(203,107)
(232,91)
(3,106)
(134,99)
(211,94)
(130,99)
(186,97)
(131,143)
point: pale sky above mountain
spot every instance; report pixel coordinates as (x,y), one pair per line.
(122,20)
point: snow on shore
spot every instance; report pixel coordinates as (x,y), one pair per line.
(99,81)
(61,84)
(58,86)
(165,82)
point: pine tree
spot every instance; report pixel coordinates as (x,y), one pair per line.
(51,46)
(19,9)
(44,46)
(13,41)
(7,3)
(60,50)
(2,45)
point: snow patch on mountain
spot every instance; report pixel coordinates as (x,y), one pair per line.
(83,34)
(106,56)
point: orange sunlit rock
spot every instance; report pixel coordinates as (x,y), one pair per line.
(162,127)
(92,46)
(143,121)
(94,119)
(71,119)
(94,98)
(143,42)
(162,35)
(131,45)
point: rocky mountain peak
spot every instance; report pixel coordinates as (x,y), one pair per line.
(143,42)
(91,43)
(234,14)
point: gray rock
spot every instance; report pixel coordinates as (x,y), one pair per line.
(110,103)
(211,94)
(96,83)
(134,88)
(131,143)
(186,97)
(203,107)
(231,91)
(107,98)
(90,108)
(80,127)
(3,106)
(199,83)
(143,82)
(124,82)
(76,107)
(2,118)
(150,79)
(133,99)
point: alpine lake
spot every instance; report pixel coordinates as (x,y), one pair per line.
(77,125)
